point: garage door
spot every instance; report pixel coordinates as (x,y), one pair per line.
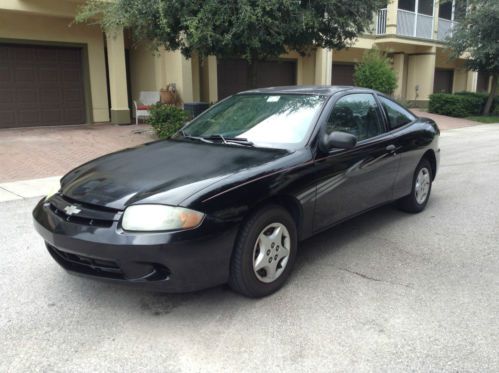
(233,75)
(443,81)
(342,74)
(41,86)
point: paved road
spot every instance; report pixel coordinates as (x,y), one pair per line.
(385,292)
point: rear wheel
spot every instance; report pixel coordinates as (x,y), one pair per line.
(421,188)
(264,253)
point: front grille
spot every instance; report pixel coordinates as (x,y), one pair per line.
(108,268)
(85,264)
(80,220)
(87,214)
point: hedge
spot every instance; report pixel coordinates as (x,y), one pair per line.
(456,105)
(483,97)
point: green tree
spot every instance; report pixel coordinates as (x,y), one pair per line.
(478,34)
(251,29)
(375,71)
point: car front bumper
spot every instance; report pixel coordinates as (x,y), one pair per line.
(164,261)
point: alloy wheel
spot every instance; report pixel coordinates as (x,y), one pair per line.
(271,252)
(422,186)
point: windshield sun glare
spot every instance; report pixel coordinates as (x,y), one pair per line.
(274,120)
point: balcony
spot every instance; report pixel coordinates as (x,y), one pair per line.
(414,24)
(408,24)
(381,22)
(445,27)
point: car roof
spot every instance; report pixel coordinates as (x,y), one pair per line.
(327,90)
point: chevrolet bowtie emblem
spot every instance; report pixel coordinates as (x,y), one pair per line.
(70,210)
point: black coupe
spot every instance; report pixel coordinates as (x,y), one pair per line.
(228,198)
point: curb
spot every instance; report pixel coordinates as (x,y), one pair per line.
(19,190)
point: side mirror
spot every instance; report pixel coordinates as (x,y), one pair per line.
(338,139)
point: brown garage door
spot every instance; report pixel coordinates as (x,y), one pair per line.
(443,81)
(41,86)
(342,74)
(233,75)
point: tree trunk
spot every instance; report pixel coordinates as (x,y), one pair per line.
(490,100)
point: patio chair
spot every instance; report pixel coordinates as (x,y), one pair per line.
(142,106)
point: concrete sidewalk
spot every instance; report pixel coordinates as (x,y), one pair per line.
(16,190)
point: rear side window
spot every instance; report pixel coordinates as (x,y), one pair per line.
(396,114)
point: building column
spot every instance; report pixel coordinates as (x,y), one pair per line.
(179,70)
(420,75)
(391,17)
(471,81)
(323,66)
(120,112)
(459,81)
(212,78)
(436,14)
(399,66)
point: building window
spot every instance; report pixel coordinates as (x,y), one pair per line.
(452,10)
(407,5)
(445,10)
(425,7)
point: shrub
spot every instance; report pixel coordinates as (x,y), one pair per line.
(166,119)
(483,97)
(375,71)
(455,105)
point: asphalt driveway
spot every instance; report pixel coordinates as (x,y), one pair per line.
(387,291)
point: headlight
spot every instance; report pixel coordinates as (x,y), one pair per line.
(159,218)
(53,190)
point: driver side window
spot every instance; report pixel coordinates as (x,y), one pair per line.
(356,114)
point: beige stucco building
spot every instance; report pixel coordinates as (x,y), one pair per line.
(55,72)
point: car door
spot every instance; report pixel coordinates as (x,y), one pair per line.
(353,180)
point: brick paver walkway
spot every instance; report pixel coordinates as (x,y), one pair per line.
(444,122)
(32,153)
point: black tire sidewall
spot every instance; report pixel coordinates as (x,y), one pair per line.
(245,246)
(420,206)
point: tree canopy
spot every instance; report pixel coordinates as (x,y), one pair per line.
(251,29)
(478,34)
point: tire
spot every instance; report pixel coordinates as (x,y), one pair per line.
(418,198)
(259,265)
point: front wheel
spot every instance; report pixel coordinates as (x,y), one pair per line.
(421,187)
(264,253)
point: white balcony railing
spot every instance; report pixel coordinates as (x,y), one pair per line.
(445,27)
(415,25)
(381,22)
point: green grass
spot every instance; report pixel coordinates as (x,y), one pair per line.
(485,118)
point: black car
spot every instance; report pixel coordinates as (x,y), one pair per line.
(228,198)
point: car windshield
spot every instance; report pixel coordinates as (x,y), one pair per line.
(267,120)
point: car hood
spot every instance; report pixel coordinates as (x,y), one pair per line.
(170,171)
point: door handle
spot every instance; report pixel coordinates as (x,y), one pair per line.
(391,148)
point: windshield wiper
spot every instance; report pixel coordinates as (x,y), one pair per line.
(198,138)
(230,140)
